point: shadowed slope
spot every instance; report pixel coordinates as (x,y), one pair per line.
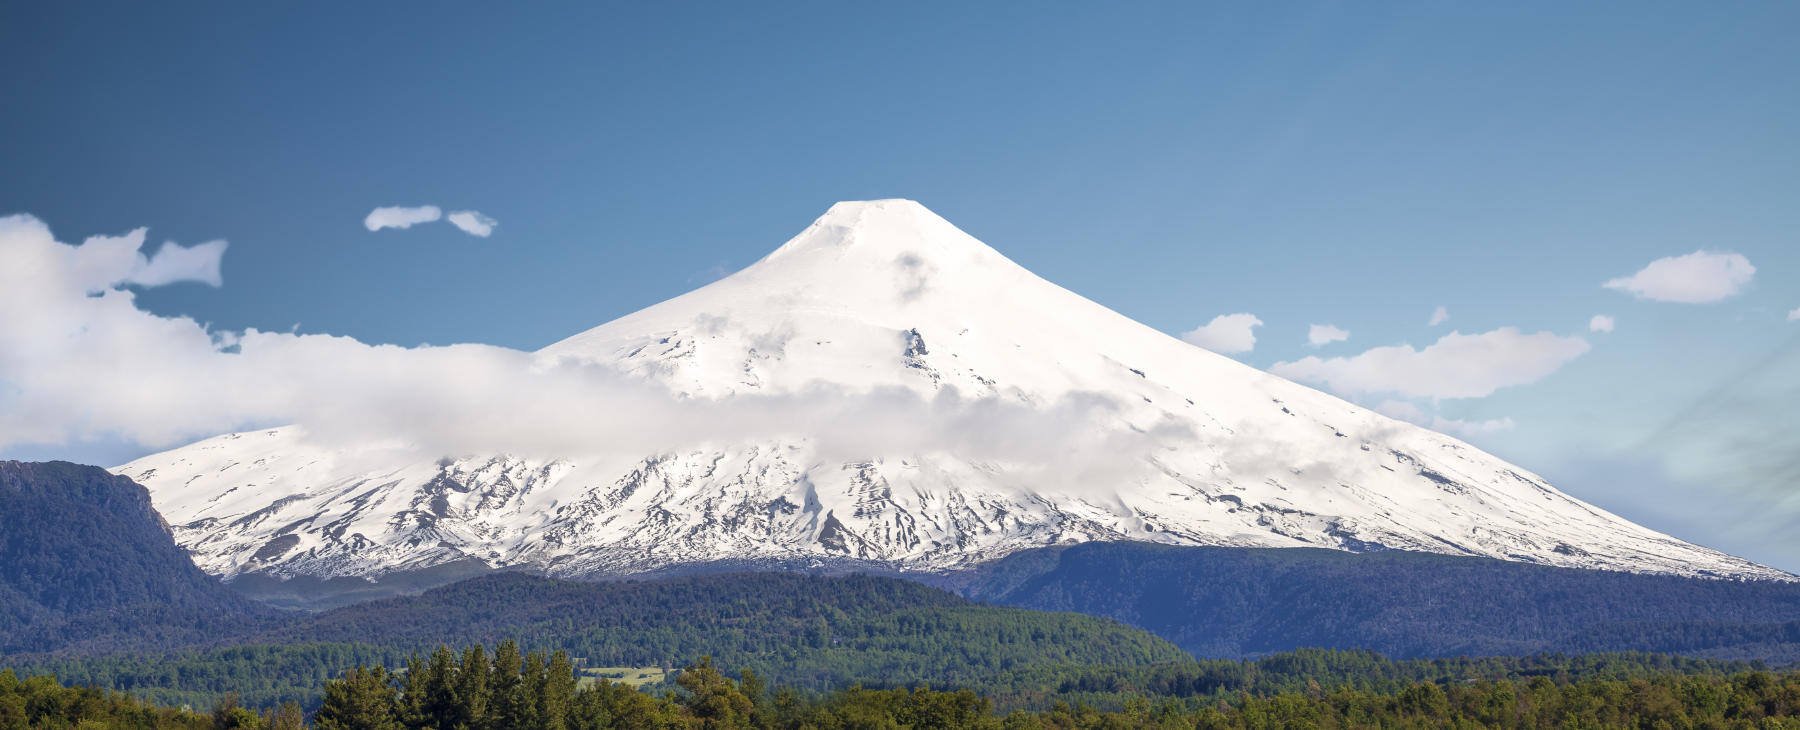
(86,563)
(1240,601)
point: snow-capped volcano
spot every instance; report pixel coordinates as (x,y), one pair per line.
(885,297)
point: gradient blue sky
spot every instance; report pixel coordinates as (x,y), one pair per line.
(1351,164)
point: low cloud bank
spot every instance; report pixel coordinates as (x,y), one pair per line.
(1456,366)
(1412,413)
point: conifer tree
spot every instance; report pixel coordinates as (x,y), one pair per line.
(363,699)
(532,680)
(410,709)
(558,692)
(506,691)
(441,706)
(472,689)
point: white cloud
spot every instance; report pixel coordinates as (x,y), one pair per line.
(1320,335)
(79,361)
(1403,410)
(1601,323)
(473,223)
(401,217)
(1794,315)
(1695,278)
(108,261)
(1456,366)
(1226,334)
(1412,413)
(1438,316)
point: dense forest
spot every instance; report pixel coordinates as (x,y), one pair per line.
(40,702)
(807,632)
(272,675)
(477,689)
(1247,602)
(743,618)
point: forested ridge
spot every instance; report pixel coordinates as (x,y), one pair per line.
(1253,601)
(86,564)
(808,632)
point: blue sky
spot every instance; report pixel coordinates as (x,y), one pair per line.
(1310,163)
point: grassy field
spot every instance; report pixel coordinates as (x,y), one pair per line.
(634,676)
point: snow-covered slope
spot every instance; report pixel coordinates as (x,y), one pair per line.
(887,297)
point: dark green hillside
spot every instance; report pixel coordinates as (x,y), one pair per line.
(805,630)
(1230,602)
(808,632)
(470,690)
(479,688)
(85,563)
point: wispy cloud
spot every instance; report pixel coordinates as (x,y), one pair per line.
(1320,335)
(1403,410)
(1226,334)
(1601,323)
(1736,442)
(1438,316)
(401,217)
(1696,278)
(107,261)
(1412,413)
(1717,510)
(1456,366)
(1794,314)
(473,223)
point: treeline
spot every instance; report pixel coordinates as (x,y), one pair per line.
(1366,670)
(542,693)
(261,676)
(40,702)
(267,676)
(504,690)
